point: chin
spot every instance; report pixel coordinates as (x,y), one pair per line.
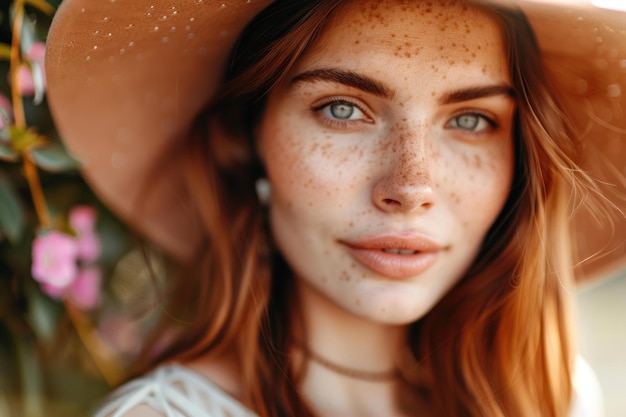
(397,311)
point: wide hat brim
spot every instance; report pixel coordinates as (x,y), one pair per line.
(126,79)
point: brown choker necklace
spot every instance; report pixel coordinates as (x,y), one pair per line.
(349,372)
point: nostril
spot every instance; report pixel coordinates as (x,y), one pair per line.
(391,202)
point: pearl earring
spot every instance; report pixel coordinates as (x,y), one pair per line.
(263,190)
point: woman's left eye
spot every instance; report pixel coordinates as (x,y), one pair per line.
(342,110)
(472,122)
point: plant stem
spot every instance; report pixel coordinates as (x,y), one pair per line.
(100,353)
(32,176)
(30,170)
(18,23)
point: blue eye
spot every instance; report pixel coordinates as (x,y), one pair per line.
(472,122)
(343,110)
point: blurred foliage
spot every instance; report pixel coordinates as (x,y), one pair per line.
(57,357)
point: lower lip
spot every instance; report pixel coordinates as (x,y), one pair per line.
(394,265)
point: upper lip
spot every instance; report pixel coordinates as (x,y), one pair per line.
(413,241)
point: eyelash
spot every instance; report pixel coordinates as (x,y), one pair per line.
(338,123)
(493,124)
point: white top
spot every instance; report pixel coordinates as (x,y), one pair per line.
(176,391)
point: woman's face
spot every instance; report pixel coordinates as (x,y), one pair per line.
(389,150)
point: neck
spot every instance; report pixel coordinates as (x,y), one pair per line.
(333,338)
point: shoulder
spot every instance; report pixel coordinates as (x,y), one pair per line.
(171,390)
(587,398)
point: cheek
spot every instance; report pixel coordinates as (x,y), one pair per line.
(307,169)
(478,185)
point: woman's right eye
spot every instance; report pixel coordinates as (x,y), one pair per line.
(341,110)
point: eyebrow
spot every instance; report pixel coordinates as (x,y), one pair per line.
(378,88)
(348,78)
(472,93)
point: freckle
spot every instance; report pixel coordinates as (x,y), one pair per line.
(351,224)
(382,310)
(352,265)
(358,301)
(451,62)
(324,280)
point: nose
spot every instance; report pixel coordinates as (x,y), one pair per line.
(406,186)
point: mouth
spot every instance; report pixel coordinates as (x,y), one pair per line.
(395,256)
(400,251)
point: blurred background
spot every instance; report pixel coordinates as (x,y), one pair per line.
(602,337)
(74,291)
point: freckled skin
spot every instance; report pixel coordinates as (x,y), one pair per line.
(400,165)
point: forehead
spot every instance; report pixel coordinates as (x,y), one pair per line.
(446,34)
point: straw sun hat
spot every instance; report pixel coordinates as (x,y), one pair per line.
(127,77)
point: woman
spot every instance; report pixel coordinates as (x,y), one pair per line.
(407,249)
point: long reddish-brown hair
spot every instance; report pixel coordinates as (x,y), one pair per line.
(498,344)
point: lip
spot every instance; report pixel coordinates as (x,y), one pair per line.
(369,252)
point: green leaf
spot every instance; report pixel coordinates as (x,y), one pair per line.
(7,154)
(24,139)
(41,5)
(5,51)
(11,216)
(43,315)
(53,158)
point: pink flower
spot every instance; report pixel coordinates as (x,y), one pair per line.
(36,52)
(89,248)
(54,259)
(83,220)
(31,78)
(25,81)
(53,291)
(85,290)
(61,263)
